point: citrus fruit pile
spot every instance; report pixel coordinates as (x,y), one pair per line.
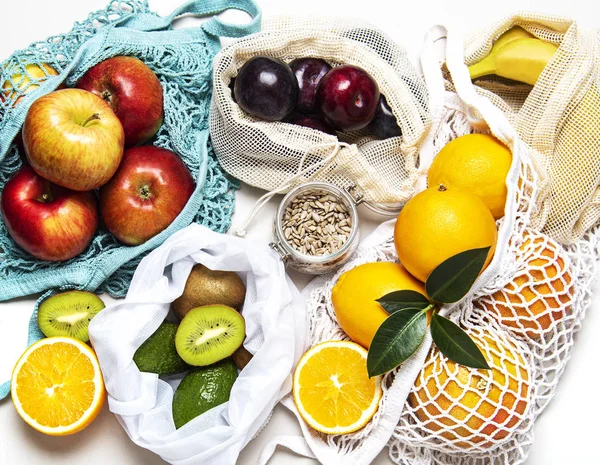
(468,407)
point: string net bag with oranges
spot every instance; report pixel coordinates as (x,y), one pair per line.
(522,311)
(523,316)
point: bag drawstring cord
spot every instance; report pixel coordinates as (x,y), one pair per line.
(262,201)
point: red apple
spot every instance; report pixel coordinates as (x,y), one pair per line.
(48,221)
(73,138)
(134,93)
(147,193)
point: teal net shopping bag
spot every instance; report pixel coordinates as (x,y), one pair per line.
(182,60)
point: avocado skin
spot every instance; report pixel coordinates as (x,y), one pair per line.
(158,353)
(202,389)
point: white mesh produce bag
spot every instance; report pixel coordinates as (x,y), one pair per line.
(530,337)
(276,156)
(434,411)
(558,118)
(276,334)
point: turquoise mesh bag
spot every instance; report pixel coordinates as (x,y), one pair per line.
(182,60)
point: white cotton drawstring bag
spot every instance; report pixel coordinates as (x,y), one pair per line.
(275,334)
(276,156)
(558,118)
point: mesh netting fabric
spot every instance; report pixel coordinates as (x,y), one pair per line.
(559,118)
(455,415)
(183,66)
(268,154)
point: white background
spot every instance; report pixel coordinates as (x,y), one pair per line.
(567,431)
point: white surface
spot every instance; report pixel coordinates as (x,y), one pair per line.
(565,433)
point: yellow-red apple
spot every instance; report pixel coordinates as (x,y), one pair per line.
(73,138)
(134,93)
(146,194)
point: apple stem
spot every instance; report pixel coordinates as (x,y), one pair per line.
(442,188)
(95,116)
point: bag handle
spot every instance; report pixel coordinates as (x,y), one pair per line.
(495,118)
(201,8)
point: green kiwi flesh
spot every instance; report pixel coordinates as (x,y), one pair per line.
(209,334)
(69,314)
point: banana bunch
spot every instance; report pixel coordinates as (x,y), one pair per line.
(516,55)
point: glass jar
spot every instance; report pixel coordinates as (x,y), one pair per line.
(288,248)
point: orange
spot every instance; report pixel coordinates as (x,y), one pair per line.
(469,407)
(477,163)
(541,292)
(57,386)
(441,222)
(354,297)
(22,81)
(332,389)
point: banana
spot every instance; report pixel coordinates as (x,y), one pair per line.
(517,57)
(488,64)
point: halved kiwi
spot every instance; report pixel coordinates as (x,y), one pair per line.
(69,314)
(209,334)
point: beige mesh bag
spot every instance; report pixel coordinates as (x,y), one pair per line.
(559,118)
(523,312)
(276,156)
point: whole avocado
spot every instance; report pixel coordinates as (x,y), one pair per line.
(202,389)
(158,353)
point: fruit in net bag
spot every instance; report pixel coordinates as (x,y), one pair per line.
(266,88)
(57,386)
(134,93)
(69,314)
(332,389)
(541,292)
(477,163)
(48,221)
(146,194)
(468,407)
(517,55)
(384,124)
(347,97)
(21,82)
(308,72)
(354,297)
(73,138)
(441,222)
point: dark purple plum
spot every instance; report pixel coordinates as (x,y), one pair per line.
(310,121)
(232,88)
(347,97)
(384,124)
(266,88)
(309,72)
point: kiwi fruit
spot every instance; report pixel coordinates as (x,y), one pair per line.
(242,357)
(209,334)
(69,314)
(207,287)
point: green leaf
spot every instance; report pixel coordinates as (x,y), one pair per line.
(402,300)
(455,344)
(397,339)
(453,278)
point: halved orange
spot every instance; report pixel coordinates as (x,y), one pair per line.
(57,386)
(332,389)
